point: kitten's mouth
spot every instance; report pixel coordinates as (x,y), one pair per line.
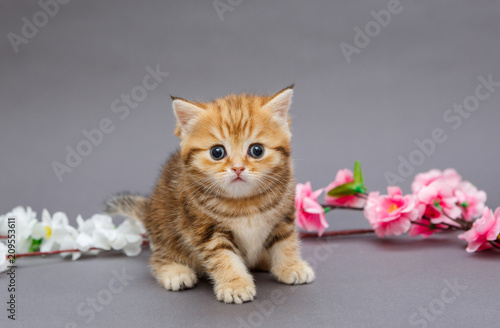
(238,179)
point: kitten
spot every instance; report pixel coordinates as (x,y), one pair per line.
(224,203)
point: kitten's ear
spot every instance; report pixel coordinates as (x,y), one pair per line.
(186,113)
(280,103)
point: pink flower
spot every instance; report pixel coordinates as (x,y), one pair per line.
(484,230)
(390,214)
(424,226)
(421,228)
(439,195)
(343,176)
(471,200)
(446,197)
(449,176)
(310,215)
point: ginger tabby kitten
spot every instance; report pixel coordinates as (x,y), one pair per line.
(224,203)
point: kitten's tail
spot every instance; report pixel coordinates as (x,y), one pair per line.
(132,206)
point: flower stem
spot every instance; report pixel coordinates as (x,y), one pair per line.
(4,237)
(334,207)
(436,227)
(464,225)
(494,244)
(336,233)
(144,243)
(53,252)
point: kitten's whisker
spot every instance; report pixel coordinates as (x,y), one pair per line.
(273,186)
(202,188)
(194,183)
(267,187)
(200,185)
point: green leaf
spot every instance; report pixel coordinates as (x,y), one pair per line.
(358,174)
(347,189)
(360,188)
(35,245)
(351,188)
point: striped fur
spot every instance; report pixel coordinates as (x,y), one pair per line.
(201,221)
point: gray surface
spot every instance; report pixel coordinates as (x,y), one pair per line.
(394,91)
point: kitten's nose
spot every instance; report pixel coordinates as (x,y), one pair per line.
(238,170)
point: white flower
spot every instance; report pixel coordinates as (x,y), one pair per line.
(99,232)
(57,234)
(128,237)
(3,257)
(25,220)
(95,232)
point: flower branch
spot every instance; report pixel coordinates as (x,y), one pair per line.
(440,201)
(64,251)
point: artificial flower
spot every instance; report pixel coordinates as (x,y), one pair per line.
(449,176)
(128,237)
(484,231)
(439,195)
(390,214)
(343,176)
(471,200)
(309,213)
(98,232)
(56,232)
(25,220)
(424,226)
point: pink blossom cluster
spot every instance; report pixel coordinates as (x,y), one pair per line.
(440,200)
(310,214)
(443,200)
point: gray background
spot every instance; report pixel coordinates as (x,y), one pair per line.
(394,91)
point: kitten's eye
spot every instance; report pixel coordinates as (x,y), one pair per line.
(256,150)
(218,152)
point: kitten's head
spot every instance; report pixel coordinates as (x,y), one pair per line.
(237,146)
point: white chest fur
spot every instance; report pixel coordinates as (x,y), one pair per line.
(250,234)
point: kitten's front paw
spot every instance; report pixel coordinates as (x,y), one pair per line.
(296,274)
(177,277)
(238,291)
